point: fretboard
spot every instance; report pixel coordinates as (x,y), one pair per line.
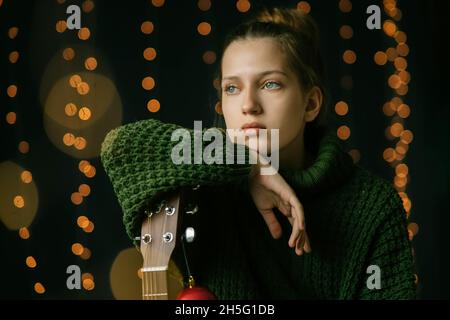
(154,285)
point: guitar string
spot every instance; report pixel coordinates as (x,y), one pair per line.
(151,281)
(160,252)
(146,259)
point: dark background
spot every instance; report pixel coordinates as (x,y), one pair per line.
(184,89)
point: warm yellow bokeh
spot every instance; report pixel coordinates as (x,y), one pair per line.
(19,196)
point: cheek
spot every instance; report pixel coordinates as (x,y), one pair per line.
(231,112)
(291,123)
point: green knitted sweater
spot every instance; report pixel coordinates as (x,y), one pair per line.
(354,220)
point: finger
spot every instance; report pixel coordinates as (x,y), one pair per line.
(307,246)
(295,232)
(272,223)
(298,211)
(300,243)
(291,221)
(285,209)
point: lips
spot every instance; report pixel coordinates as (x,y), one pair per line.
(253,125)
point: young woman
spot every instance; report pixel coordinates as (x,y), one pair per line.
(321,227)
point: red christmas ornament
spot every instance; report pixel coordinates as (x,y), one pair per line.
(195,293)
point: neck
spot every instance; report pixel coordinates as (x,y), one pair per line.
(154,285)
(294,155)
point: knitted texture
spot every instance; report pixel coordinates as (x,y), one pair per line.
(354,220)
(137,159)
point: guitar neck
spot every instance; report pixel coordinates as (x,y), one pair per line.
(154,285)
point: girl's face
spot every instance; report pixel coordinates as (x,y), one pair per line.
(258,87)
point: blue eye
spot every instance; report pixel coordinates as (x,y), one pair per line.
(271,85)
(230,89)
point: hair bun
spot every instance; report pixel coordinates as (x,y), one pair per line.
(293,19)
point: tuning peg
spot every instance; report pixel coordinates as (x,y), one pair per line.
(169,210)
(168,237)
(146,238)
(192,209)
(189,234)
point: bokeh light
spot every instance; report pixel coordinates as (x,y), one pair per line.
(346,32)
(243,5)
(158,3)
(12,32)
(82,222)
(61,26)
(88,6)
(77,249)
(86,254)
(345,6)
(355,154)
(304,6)
(30,262)
(84,189)
(341,108)
(90,63)
(343,132)
(89,228)
(11,91)
(39,288)
(349,56)
(68,54)
(23,147)
(14,57)
(11,117)
(19,200)
(380,58)
(204,28)
(84,33)
(24,233)
(149,54)
(204,5)
(148,83)
(153,105)
(26,176)
(390,28)
(81,139)
(209,57)
(147,27)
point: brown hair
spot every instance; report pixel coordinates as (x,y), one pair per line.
(298,36)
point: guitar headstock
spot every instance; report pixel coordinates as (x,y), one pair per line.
(159,233)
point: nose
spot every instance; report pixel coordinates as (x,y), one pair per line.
(250,104)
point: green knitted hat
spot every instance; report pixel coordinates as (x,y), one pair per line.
(137,160)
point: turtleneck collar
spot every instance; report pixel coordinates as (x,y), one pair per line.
(331,166)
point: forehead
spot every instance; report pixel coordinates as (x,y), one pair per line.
(253,55)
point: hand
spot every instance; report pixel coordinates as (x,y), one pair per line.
(272,191)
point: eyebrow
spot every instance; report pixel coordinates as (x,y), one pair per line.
(259,74)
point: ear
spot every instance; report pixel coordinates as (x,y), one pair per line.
(313,103)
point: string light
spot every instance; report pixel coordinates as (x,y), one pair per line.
(304,6)
(204,28)
(209,57)
(204,5)
(24,200)
(147,27)
(397,109)
(148,83)
(153,105)
(88,6)
(82,113)
(397,81)
(349,57)
(243,6)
